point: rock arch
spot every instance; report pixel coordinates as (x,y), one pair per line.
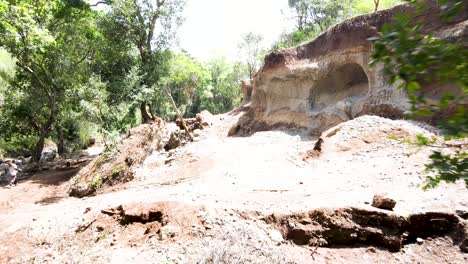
(344,88)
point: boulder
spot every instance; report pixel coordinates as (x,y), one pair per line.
(383,202)
(49,156)
(174,141)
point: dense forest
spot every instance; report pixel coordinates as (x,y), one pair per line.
(72,70)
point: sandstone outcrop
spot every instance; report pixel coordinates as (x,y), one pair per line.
(246,87)
(329,80)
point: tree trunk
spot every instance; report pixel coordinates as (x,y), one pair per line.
(144,113)
(150,108)
(37,151)
(376,2)
(178,114)
(61,141)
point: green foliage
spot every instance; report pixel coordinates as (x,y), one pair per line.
(149,28)
(51,44)
(414,58)
(69,72)
(312,17)
(17,145)
(360,7)
(448,168)
(97,182)
(7,69)
(196,86)
(223,94)
(316,16)
(187,80)
(294,39)
(118,171)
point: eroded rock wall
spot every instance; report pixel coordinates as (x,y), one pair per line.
(329,80)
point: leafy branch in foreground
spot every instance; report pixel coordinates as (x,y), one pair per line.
(416,59)
(448,168)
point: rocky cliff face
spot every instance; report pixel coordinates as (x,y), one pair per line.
(329,80)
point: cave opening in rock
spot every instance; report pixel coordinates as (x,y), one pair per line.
(343,88)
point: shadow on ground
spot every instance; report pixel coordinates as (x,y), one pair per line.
(49,200)
(53,177)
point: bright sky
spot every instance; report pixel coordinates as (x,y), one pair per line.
(214,27)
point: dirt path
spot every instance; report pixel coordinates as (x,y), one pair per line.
(222,179)
(266,172)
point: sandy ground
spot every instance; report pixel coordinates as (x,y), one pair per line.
(224,179)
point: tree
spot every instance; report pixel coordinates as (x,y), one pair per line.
(197,86)
(250,48)
(150,27)
(293,39)
(367,6)
(223,93)
(317,15)
(415,58)
(376,3)
(313,17)
(50,42)
(187,81)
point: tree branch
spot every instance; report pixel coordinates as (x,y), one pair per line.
(141,34)
(153,21)
(50,97)
(99,2)
(47,75)
(84,57)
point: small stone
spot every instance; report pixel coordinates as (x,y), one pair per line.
(276,236)
(169,232)
(196,132)
(383,202)
(419,240)
(371,249)
(233,130)
(171,152)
